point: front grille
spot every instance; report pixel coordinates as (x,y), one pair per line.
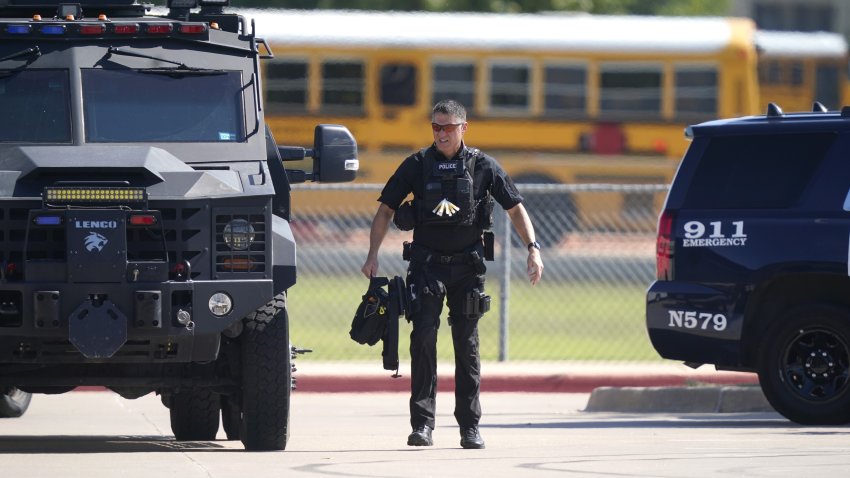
(184,241)
(185,233)
(13,230)
(182,233)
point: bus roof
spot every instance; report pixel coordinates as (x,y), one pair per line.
(458,31)
(801,44)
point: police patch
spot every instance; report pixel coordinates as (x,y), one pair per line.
(448,168)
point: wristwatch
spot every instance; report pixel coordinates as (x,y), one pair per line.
(534,244)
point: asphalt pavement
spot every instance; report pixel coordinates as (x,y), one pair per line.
(364,435)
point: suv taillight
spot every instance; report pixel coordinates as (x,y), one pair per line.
(664,247)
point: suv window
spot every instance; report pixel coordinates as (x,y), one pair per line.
(39,100)
(133,106)
(756,172)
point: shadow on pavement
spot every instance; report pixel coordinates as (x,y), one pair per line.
(58,444)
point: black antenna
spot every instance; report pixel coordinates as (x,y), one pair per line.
(773,111)
(818,107)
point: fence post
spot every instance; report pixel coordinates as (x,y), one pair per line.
(505,282)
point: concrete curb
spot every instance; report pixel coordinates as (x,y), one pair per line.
(707,399)
(528,377)
(518,377)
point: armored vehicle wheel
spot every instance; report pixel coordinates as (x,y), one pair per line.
(14,403)
(266,377)
(194,415)
(231,418)
(804,367)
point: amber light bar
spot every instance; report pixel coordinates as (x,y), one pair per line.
(93,194)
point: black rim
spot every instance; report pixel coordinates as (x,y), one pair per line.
(816,364)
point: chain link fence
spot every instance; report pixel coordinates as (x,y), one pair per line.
(598,252)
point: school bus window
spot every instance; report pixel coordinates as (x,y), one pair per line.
(509,85)
(696,92)
(828,86)
(796,73)
(456,81)
(770,72)
(286,85)
(630,89)
(398,84)
(342,87)
(565,90)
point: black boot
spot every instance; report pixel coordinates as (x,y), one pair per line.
(471,438)
(421,436)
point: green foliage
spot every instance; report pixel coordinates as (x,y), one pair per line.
(609,7)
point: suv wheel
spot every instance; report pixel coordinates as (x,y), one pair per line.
(266,378)
(14,403)
(194,415)
(804,367)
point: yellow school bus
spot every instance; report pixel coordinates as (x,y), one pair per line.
(798,68)
(556,98)
(531,82)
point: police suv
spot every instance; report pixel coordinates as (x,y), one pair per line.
(752,258)
(145,243)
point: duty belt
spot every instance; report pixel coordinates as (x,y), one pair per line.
(422,254)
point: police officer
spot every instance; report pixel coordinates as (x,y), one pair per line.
(452,187)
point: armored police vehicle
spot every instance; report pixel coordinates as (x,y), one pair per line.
(752,258)
(144,213)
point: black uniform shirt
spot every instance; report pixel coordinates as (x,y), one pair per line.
(449,239)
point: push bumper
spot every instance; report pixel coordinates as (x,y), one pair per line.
(42,323)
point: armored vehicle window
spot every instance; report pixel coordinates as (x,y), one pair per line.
(134,106)
(756,172)
(39,100)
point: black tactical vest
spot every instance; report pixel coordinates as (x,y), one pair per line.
(448,193)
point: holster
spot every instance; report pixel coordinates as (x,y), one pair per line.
(477,304)
(405,217)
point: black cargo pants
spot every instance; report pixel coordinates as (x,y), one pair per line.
(452,283)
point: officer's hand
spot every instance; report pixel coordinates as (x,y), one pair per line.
(535,266)
(370,268)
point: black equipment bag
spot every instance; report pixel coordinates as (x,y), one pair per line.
(397,308)
(370,320)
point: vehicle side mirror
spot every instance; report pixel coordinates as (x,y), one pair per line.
(335,154)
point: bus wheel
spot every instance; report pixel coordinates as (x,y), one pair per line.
(266,378)
(14,403)
(804,367)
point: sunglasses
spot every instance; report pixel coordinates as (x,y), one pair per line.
(448,128)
